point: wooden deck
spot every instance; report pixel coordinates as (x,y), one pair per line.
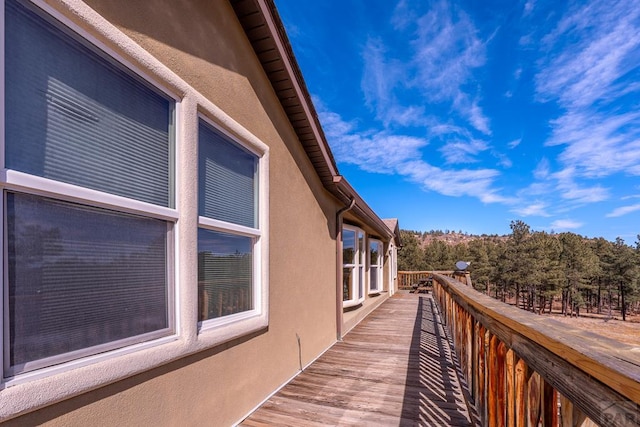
(394,369)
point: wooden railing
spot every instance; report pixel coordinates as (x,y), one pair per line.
(525,370)
(408,279)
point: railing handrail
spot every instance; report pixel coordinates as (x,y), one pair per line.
(556,350)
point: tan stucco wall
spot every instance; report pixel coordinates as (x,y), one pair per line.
(203,43)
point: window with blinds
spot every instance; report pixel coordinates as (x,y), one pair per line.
(227,189)
(81,279)
(375,265)
(75,116)
(354,254)
(229,232)
(349,261)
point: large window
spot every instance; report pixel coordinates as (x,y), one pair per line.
(353,258)
(376,257)
(87,199)
(229,234)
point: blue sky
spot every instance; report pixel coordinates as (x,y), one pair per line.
(465,115)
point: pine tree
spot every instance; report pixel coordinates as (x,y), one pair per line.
(410,257)
(580,265)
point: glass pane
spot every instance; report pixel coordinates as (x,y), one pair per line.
(373,253)
(81,276)
(76,117)
(225,274)
(374,278)
(361,282)
(361,247)
(347,281)
(348,246)
(227,188)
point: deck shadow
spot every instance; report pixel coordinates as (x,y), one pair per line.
(393,369)
(433,394)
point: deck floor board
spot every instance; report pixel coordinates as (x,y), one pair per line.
(394,369)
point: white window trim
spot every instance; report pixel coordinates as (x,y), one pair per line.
(33,390)
(12,180)
(358,268)
(392,266)
(380,266)
(259,284)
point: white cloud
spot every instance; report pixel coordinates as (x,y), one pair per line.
(536,189)
(526,40)
(565,224)
(379,79)
(372,151)
(478,119)
(528,7)
(579,78)
(447,50)
(384,152)
(462,152)
(514,143)
(572,191)
(517,73)
(403,15)
(542,170)
(460,182)
(624,210)
(443,51)
(503,160)
(590,53)
(597,144)
(535,209)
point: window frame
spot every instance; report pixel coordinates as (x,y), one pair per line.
(20,182)
(259,283)
(379,267)
(358,268)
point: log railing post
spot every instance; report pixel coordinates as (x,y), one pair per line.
(492,374)
(534,385)
(501,405)
(521,375)
(549,405)
(510,387)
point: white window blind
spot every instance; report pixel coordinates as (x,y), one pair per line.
(349,260)
(225,274)
(361,263)
(227,179)
(375,265)
(72,115)
(79,278)
(227,192)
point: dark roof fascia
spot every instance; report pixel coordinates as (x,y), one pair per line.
(265,31)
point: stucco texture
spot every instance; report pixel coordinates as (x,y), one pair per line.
(203,43)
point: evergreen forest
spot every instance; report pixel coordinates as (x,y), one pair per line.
(536,270)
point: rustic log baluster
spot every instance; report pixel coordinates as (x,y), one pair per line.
(549,405)
(521,375)
(510,385)
(533,400)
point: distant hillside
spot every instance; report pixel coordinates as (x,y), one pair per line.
(451,238)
